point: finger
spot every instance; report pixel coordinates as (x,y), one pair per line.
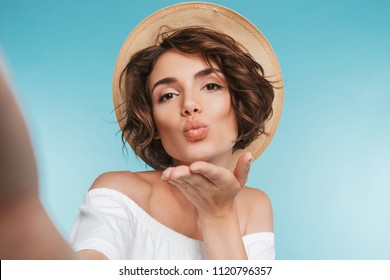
(166,174)
(179,176)
(210,171)
(199,182)
(242,168)
(177,183)
(182,177)
(180,172)
(183,187)
(188,178)
(174,172)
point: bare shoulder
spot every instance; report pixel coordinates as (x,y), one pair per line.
(257,207)
(136,185)
(115,180)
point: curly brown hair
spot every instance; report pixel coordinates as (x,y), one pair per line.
(251,93)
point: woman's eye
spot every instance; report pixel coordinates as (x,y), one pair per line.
(212,87)
(166,97)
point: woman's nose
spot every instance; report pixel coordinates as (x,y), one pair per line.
(190,106)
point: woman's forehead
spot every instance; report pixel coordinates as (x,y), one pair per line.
(177,64)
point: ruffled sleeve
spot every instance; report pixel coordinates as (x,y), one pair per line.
(103,224)
(114,225)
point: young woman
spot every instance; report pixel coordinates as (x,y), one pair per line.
(186,104)
(198,94)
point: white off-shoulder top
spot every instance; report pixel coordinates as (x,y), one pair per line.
(113,224)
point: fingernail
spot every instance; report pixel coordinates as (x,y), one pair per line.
(164,177)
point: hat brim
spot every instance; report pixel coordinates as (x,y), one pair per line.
(217,18)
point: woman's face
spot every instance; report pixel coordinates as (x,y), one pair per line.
(192,109)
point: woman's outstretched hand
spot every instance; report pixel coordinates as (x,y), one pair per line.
(211,189)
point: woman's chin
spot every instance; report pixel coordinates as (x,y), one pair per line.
(217,159)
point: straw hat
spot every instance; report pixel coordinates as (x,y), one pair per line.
(217,18)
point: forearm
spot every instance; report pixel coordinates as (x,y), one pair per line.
(222,237)
(28,233)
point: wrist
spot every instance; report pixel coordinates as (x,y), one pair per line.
(222,235)
(221,218)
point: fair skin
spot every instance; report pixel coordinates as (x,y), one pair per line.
(200,196)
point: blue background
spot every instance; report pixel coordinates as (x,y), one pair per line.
(327,170)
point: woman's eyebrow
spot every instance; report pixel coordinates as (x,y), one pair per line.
(206,72)
(199,74)
(164,81)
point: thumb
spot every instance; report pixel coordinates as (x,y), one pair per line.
(242,168)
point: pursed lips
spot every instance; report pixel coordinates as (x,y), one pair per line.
(195,130)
